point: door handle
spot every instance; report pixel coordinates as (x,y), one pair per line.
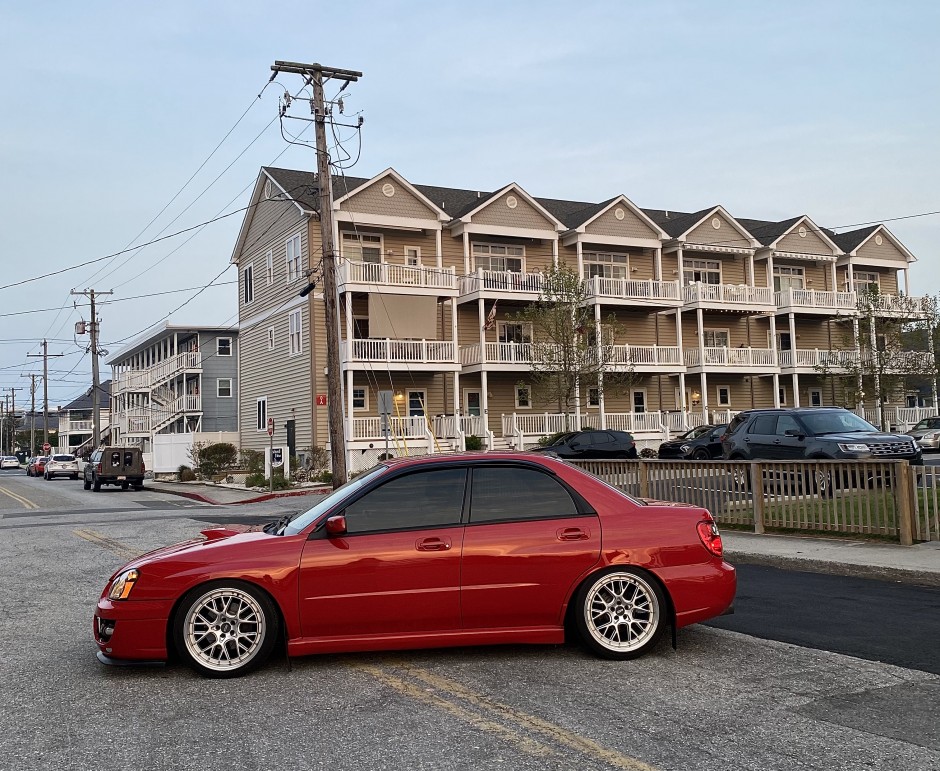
(432,544)
(776,441)
(572,534)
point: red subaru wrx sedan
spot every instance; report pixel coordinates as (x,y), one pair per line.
(436,551)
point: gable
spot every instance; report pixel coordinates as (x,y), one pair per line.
(886,250)
(802,240)
(499,212)
(630,226)
(267,224)
(388,197)
(725,234)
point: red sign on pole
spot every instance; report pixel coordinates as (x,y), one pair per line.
(270,426)
(46,447)
(321,400)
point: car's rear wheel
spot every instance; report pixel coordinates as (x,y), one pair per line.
(700,454)
(621,613)
(96,485)
(225,628)
(86,484)
(123,485)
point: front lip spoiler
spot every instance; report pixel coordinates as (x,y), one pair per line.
(112,662)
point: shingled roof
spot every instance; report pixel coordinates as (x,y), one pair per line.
(83,402)
(851,240)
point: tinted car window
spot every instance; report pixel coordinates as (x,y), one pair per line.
(787,423)
(736,422)
(763,424)
(599,437)
(420,500)
(501,494)
(836,422)
(63,458)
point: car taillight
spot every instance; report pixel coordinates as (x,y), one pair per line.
(143,467)
(711,538)
(98,468)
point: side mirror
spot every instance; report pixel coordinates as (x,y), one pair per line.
(336,525)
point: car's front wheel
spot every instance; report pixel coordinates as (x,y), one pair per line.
(621,613)
(700,454)
(225,628)
(86,484)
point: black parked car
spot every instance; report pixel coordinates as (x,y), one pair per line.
(592,445)
(823,433)
(701,443)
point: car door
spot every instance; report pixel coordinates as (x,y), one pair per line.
(397,568)
(790,446)
(761,437)
(525,544)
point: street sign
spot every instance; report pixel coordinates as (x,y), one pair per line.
(46,447)
(270,426)
(321,400)
(277,457)
(385,402)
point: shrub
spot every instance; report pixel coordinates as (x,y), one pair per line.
(185,474)
(252,461)
(648,452)
(325,476)
(257,479)
(318,458)
(215,458)
(260,480)
(473,442)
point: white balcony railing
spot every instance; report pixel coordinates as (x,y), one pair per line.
(145,379)
(813,358)
(904,305)
(497,353)
(405,427)
(728,295)
(730,357)
(400,351)
(388,274)
(815,298)
(660,423)
(645,355)
(501,281)
(632,289)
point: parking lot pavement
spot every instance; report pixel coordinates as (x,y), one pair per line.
(918,564)
(723,700)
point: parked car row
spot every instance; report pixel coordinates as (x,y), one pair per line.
(52,466)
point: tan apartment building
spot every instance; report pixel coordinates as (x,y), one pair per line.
(713,314)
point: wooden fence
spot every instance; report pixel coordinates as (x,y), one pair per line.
(878,498)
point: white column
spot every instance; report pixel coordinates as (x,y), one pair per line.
(791,318)
(438,245)
(580,252)
(658,263)
(681,273)
(683,407)
(485,403)
(703,382)
(481,312)
(907,283)
(601,407)
(850,277)
(555,251)
(457,401)
(466,253)
(577,404)
(349,405)
(835,278)
(750,270)
(453,327)
(705,396)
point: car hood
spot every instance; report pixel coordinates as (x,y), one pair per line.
(676,442)
(212,539)
(857,438)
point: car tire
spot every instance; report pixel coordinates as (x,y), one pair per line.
(620,602)
(700,453)
(86,484)
(46,476)
(124,485)
(73,476)
(219,643)
(138,487)
(96,485)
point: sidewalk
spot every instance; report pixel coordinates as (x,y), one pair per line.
(919,564)
(219,495)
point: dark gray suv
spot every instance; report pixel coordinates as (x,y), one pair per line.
(821,433)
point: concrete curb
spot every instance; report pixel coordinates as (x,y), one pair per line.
(853,570)
(257,499)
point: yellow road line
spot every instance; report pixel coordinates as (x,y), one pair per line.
(524,743)
(19,498)
(484,713)
(108,543)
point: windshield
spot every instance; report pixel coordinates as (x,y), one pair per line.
(63,458)
(928,423)
(835,422)
(330,501)
(696,432)
(562,439)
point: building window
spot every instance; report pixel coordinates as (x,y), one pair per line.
(224,346)
(296,342)
(865,281)
(224,387)
(360,398)
(261,410)
(270,338)
(816,398)
(413,256)
(294,258)
(639,401)
(269,266)
(594,397)
(716,338)
(605,265)
(724,396)
(248,274)
(361,247)
(788,277)
(514,333)
(523,397)
(706,271)
(498,257)
(782,395)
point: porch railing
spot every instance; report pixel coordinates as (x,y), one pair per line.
(388,274)
(815,298)
(728,294)
(501,281)
(817,357)
(388,350)
(142,380)
(632,289)
(730,357)
(640,355)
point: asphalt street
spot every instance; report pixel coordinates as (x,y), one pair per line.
(722,700)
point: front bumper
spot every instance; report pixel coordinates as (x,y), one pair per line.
(131,631)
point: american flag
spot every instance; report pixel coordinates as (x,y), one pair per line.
(491,317)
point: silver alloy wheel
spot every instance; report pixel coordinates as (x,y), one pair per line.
(224,629)
(621,612)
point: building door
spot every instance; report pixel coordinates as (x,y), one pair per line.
(416,402)
(472,402)
(815,397)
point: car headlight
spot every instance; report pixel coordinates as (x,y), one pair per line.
(854,448)
(931,435)
(122,585)
(685,448)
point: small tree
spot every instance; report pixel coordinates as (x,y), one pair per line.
(212,459)
(568,350)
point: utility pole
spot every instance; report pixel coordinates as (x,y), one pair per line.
(13,414)
(32,412)
(45,387)
(314,74)
(95,394)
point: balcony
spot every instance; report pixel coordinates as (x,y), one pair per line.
(396,279)
(815,301)
(497,356)
(489,284)
(414,355)
(645,358)
(147,420)
(813,360)
(899,306)
(728,297)
(753,360)
(146,379)
(624,291)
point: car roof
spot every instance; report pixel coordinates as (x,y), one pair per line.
(477,457)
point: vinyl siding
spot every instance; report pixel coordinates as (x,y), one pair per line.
(887,251)
(395,241)
(403,203)
(733,269)
(631,226)
(498,213)
(218,414)
(816,275)
(808,244)
(726,235)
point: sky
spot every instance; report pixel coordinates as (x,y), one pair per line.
(113,114)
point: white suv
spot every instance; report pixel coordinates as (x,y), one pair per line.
(60,466)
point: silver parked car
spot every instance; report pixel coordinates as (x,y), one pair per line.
(61,466)
(927,433)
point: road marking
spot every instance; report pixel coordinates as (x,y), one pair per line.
(489,708)
(19,498)
(110,544)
